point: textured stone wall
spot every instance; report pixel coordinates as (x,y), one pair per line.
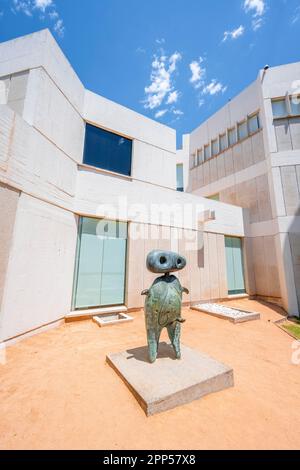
(9,198)
(290,177)
(205,275)
(13,90)
(233,160)
(253,195)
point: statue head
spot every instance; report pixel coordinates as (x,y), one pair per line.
(164,261)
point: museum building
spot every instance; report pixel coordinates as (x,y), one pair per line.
(88,188)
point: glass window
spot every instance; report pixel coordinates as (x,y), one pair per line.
(214,147)
(295,104)
(253,123)
(223,142)
(206,152)
(101,263)
(200,156)
(106,150)
(279,108)
(242,130)
(179,176)
(234,264)
(232,136)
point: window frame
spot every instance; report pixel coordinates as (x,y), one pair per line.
(251,116)
(79,223)
(215,141)
(286,106)
(229,130)
(107,170)
(291,105)
(239,124)
(226,142)
(200,152)
(208,147)
(180,188)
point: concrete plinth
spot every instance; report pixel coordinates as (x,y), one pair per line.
(169,382)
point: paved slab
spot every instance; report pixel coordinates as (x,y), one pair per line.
(109,319)
(226,313)
(168,382)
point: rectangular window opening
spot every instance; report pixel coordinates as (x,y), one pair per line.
(206,152)
(232,136)
(279,108)
(214,147)
(179,177)
(242,130)
(223,142)
(106,150)
(253,123)
(100,263)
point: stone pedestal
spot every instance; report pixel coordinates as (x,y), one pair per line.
(169,382)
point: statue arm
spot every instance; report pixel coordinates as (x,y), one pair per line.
(185,290)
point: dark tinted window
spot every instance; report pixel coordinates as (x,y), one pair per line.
(106,150)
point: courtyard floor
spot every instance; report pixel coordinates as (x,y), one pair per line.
(57,392)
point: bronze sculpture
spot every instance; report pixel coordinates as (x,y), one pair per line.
(163,301)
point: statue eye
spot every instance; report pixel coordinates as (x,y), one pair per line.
(178,262)
(163,260)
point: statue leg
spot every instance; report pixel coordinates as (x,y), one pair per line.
(153,340)
(174,335)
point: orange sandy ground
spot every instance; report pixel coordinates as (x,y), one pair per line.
(57,392)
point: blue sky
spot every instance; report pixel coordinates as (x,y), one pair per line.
(176,61)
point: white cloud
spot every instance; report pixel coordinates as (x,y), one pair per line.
(42,4)
(173,61)
(296,16)
(236,33)
(46,9)
(256,7)
(257,23)
(177,112)
(161,87)
(59,27)
(213,88)
(201,102)
(160,113)
(140,50)
(198,72)
(160,41)
(24,6)
(199,82)
(173,97)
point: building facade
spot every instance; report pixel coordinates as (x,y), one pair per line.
(248,154)
(89,187)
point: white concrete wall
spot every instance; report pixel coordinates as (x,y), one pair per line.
(262,175)
(154,158)
(39,278)
(13,89)
(48,110)
(33,164)
(247,102)
(9,199)
(284,160)
(41,50)
(96,192)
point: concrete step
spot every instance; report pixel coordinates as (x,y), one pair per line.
(92,312)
